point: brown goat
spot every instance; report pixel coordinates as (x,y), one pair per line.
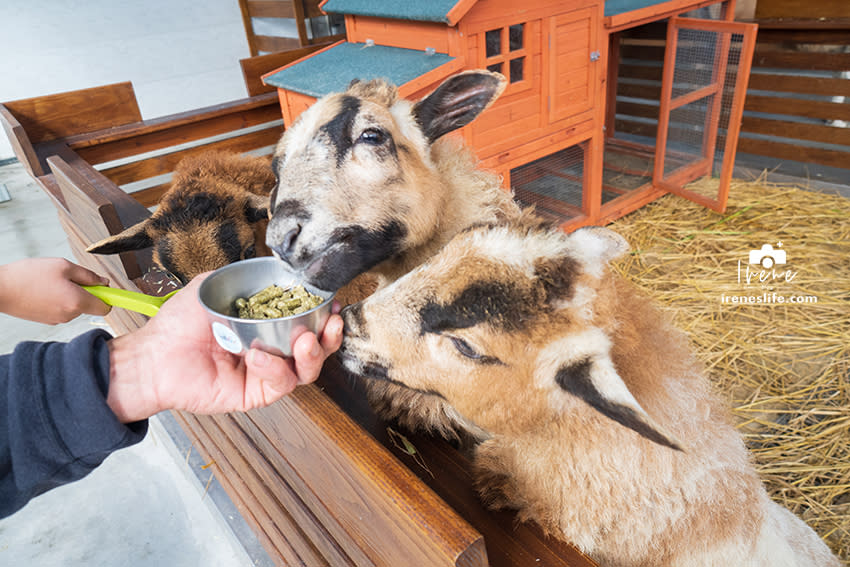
(593,417)
(214,213)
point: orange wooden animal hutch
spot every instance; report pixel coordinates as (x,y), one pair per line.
(552,134)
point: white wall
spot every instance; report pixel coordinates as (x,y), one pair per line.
(179,54)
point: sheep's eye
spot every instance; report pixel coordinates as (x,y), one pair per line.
(250,252)
(373,136)
(464,348)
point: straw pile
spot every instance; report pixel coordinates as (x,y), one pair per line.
(783,367)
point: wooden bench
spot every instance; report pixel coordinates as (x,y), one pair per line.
(317,476)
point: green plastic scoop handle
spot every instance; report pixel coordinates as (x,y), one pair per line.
(133,300)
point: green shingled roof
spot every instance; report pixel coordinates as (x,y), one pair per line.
(615,7)
(331,70)
(422,10)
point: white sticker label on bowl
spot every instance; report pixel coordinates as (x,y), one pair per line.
(226,338)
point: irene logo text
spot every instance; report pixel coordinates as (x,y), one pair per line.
(767,257)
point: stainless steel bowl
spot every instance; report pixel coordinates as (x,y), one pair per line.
(220,290)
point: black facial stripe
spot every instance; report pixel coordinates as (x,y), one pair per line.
(576,380)
(371,247)
(339,128)
(291,208)
(359,250)
(227,240)
(182,211)
(375,371)
(492,302)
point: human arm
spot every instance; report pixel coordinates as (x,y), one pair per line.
(65,407)
(47,290)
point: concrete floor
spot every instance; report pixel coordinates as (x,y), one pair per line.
(152,504)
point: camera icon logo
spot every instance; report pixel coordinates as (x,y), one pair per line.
(767,256)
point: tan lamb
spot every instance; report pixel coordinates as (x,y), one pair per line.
(215,212)
(593,417)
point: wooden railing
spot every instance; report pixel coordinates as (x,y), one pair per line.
(316,475)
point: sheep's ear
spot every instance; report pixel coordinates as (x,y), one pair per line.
(598,244)
(595,247)
(594,380)
(457,102)
(256,208)
(134,238)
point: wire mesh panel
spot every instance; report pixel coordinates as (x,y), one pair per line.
(705,78)
(553,184)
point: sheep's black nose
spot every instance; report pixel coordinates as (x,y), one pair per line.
(287,244)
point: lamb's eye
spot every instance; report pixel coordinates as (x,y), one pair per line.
(249,252)
(373,136)
(465,348)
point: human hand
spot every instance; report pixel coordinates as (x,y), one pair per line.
(47,290)
(174,362)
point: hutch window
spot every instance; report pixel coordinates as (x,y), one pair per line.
(497,57)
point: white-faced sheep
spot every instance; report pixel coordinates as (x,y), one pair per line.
(368,184)
(214,213)
(594,418)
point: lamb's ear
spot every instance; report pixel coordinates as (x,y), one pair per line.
(593,379)
(596,246)
(256,208)
(457,102)
(134,238)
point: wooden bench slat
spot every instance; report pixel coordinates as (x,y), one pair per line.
(273,43)
(786,59)
(648,92)
(21,144)
(167,123)
(795,152)
(638,71)
(64,114)
(158,165)
(822,133)
(271,498)
(790,36)
(182,134)
(306,425)
(824,86)
(92,208)
(272,8)
(822,110)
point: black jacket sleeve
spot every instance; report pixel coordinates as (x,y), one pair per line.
(55,426)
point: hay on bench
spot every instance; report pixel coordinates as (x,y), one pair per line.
(783,367)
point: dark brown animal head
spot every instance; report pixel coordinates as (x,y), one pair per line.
(356,182)
(214,213)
